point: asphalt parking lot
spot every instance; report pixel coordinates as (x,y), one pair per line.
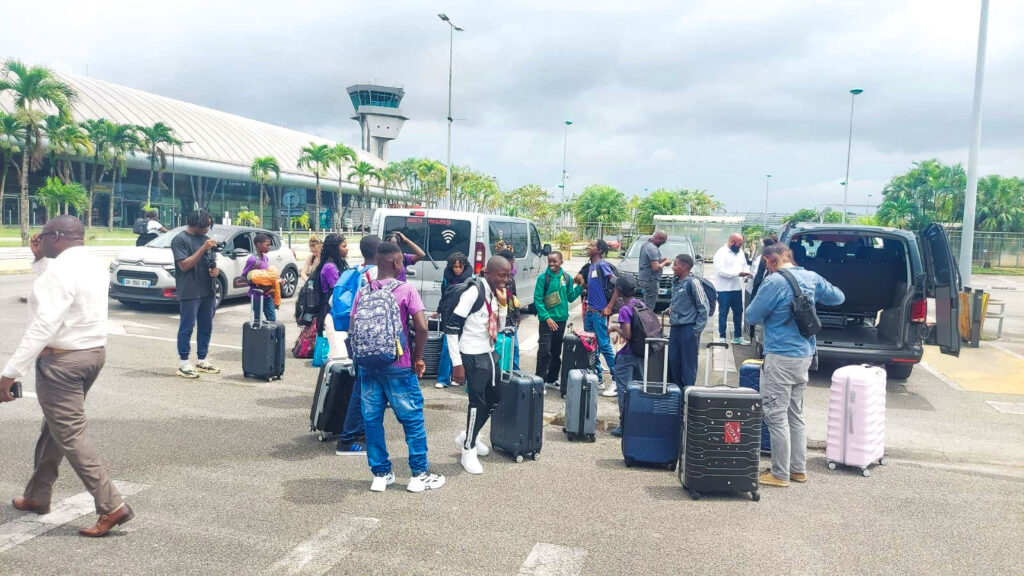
(226,479)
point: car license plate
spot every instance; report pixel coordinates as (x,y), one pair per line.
(663,291)
(135,283)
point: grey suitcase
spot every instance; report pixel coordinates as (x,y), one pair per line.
(331,398)
(263,349)
(581,405)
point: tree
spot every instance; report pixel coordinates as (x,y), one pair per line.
(341,155)
(602,204)
(316,158)
(700,202)
(31,88)
(390,177)
(57,194)
(247,218)
(122,140)
(65,141)
(1000,204)
(260,171)
(362,172)
(661,201)
(801,215)
(898,212)
(11,131)
(153,137)
(97,131)
(935,190)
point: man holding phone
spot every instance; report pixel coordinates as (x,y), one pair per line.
(66,339)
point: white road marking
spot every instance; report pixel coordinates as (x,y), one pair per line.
(28,525)
(999,346)
(175,340)
(29,394)
(553,560)
(120,327)
(325,548)
(942,377)
(1007,407)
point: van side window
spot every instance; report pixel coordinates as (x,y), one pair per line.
(447,237)
(534,240)
(414,228)
(511,235)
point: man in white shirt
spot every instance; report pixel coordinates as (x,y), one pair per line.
(471,335)
(66,339)
(730,269)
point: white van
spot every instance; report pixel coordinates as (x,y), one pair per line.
(440,233)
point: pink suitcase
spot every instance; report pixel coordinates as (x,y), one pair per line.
(856,417)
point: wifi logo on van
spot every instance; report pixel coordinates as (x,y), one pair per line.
(448,236)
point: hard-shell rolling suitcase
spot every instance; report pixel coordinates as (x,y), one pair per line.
(579,351)
(750,377)
(432,350)
(856,418)
(721,441)
(331,398)
(263,348)
(581,406)
(517,423)
(651,420)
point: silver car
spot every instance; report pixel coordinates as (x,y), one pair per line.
(145,274)
(630,264)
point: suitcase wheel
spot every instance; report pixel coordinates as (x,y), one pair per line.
(695,495)
(321,437)
(882,461)
(536,456)
(629,462)
(865,472)
(831,465)
(755,496)
(670,466)
(591,438)
(519,458)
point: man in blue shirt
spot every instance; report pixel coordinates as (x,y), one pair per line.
(599,274)
(787,358)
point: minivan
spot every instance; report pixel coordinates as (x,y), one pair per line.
(888,277)
(441,233)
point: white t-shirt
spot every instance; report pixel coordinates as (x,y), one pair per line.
(475,338)
(728,266)
(153,227)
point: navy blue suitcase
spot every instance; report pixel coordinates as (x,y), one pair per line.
(652,420)
(750,377)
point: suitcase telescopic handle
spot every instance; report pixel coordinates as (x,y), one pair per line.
(508,332)
(647,361)
(259,309)
(710,346)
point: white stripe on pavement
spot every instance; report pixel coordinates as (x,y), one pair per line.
(1007,407)
(553,560)
(28,525)
(175,340)
(326,548)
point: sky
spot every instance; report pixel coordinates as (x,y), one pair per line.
(711,95)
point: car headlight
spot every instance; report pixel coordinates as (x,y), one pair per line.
(113,265)
(170,270)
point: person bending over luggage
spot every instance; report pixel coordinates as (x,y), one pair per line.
(552,295)
(313,261)
(471,332)
(513,305)
(787,359)
(396,384)
(456,272)
(688,317)
(628,366)
(195,278)
(407,259)
(260,261)
(595,276)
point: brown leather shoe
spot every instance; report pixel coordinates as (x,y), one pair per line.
(108,521)
(800,477)
(26,505)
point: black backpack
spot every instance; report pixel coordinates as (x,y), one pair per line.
(450,299)
(608,284)
(309,301)
(644,324)
(709,292)
(804,314)
(141,226)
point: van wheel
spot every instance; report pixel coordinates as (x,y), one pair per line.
(899,371)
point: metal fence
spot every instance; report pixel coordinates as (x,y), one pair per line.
(993,249)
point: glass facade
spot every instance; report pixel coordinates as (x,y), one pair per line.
(375,98)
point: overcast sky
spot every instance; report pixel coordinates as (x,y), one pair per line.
(698,94)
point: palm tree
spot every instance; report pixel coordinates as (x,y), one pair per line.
(32,87)
(66,141)
(600,204)
(122,140)
(316,158)
(11,131)
(340,154)
(97,132)
(152,138)
(260,171)
(362,172)
(390,177)
(57,194)
(898,212)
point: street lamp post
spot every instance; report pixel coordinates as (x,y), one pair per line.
(767,178)
(849,146)
(452,29)
(971,197)
(867,206)
(174,219)
(565,149)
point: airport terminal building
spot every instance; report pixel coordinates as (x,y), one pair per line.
(211,167)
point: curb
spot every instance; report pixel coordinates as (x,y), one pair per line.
(15,272)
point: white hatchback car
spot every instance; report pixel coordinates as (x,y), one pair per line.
(145,274)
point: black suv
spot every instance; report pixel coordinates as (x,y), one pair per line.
(888,276)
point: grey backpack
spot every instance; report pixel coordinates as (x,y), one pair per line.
(376,327)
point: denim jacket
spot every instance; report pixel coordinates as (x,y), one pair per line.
(773,307)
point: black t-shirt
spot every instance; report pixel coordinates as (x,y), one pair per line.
(194,283)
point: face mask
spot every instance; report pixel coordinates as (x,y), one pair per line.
(735,249)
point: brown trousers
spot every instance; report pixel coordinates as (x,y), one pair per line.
(62,381)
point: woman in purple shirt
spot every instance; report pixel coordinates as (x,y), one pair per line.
(332,264)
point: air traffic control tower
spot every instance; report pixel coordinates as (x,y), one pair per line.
(378,114)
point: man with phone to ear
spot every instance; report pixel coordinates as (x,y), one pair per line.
(66,340)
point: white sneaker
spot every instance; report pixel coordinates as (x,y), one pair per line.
(481,448)
(426,481)
(610,392)
(439,386)
(471,462)
(380,483)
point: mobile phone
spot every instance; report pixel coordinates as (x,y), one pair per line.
(16,390)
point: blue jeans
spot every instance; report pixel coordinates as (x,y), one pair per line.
(400,388)
(353,429)
(444,366)
(682,355)
(730,300)
(195,313)
(269,312)
(598,324)
(628,368)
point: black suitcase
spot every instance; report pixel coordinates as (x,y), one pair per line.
(263,346)
(432,351)
(721,441)
(574,356)
(517,424)
(331,398)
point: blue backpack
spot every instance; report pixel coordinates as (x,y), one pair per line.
(376,334)
(344,294)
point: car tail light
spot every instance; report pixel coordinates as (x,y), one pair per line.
(919,310)
(170,292)
(478,261)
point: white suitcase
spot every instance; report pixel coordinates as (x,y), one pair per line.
(856,418)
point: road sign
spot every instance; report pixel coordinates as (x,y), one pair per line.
(292,212)
(291,199)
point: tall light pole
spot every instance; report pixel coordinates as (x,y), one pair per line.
(971,197)
(452,29)
(867,205)
(565,149)
(767,178)
(174,204)
(849,146)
